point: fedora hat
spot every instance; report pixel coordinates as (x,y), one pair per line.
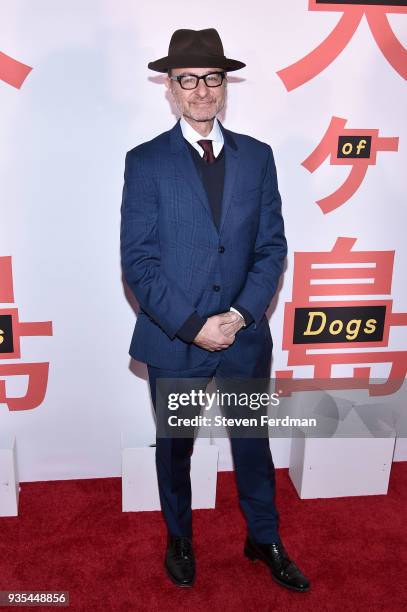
(195,49)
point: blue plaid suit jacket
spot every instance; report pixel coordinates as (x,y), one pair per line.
(170,252)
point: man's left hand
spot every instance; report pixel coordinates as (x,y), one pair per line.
(230,329)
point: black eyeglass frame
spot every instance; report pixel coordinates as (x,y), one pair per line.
(198,78)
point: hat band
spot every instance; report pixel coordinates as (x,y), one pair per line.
(195,61)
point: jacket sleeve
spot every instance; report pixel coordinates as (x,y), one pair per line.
(270,249)
(192,326)
(161,298)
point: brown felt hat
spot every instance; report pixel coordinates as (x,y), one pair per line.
(195,49)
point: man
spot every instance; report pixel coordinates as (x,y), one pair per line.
(203,247)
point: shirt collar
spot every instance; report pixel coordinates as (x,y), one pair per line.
(192,136)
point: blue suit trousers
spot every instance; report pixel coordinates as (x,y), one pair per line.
(253,463)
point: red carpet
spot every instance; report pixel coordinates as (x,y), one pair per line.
(72,535)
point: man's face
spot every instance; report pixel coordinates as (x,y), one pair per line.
(202,103)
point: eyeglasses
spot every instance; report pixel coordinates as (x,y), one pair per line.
(190,81)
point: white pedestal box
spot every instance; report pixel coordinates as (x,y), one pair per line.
(342,465)
(139,477)
(9,484)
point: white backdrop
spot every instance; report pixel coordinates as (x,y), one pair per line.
(64,135)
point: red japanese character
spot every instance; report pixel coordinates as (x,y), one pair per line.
(356,148)
(13,72)
(333,323)
(11,330)
(315,62)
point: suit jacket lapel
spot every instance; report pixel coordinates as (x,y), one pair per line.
(231,167)
(187,170)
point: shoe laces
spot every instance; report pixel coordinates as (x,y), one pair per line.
(183,548)
(283,557)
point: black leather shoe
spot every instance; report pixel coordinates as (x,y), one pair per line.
(180,561)
(283,570)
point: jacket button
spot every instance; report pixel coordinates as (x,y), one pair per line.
(216,287)
(221,249)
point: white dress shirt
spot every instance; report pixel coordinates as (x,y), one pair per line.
(192,136)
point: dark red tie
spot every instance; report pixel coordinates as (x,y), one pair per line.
(208,151)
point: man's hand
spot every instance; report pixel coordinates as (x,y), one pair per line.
(229,329)
(219,331)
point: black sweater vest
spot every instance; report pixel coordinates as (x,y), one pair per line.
(212,176)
